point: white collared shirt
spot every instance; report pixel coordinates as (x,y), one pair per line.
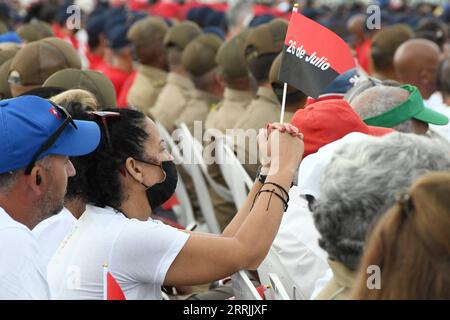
(22,270)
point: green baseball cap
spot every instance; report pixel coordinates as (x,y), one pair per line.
(5,55)
(231,57)
(5,91)
(199,57)
(94,82)
(413,108)
(181,34)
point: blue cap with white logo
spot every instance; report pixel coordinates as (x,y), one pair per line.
(27,123)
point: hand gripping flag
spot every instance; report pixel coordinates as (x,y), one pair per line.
(313,56)
(111,289)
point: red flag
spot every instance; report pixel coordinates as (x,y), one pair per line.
(111,289)
(313,56)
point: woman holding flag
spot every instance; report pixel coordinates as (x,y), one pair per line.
(130,174)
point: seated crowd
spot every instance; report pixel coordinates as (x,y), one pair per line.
(347,195)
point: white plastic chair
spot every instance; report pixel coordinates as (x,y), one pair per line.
(243,288)
(192,161)
(237,179)
(184,211)
(276,288)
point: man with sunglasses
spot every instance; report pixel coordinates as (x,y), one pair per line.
(36,138)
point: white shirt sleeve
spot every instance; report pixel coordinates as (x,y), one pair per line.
(144,251)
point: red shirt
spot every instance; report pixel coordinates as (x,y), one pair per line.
(95,61)
(122,97)
(363,54)
(116,75)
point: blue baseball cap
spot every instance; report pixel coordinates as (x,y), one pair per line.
(26,124)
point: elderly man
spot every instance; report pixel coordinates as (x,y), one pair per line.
(400,108)
(366,176)
(416,62)
(34,167)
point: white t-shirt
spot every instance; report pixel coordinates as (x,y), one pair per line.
(442,130)
(295,255)
(52,231)
(22,271)
(138,253)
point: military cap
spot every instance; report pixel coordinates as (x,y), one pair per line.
(265,39)
(5,91)
(5,55)
(34,31)
(181,34)
(38,60)
(142,30)
(95,82)
(231,58)
(199,56)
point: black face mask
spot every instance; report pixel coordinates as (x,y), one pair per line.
(161,192)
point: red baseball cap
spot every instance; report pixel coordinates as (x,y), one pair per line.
(326,121)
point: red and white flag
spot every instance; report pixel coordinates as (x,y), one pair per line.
(111,289)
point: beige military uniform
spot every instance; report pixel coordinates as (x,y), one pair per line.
(172,100)
(196,109)
(146,87)
(341,285)
(229,110)
(264,109)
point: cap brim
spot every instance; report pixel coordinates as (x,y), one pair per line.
(44,92)
(379,131)
(430,116)
(77,142)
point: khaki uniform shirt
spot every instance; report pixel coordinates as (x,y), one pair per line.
(340,286)
(146,87)
(264,109)
(172,100)
(197,109)
(229,111)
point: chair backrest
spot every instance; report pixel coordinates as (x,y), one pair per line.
(192,160)
(237,179)
(243,287)
(277,288)
(184,211)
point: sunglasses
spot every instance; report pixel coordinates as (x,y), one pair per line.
(103,116)
(67,119)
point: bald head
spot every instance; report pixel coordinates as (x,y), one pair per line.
(416,62)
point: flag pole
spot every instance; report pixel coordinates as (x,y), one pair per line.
(105,281)
(283,102)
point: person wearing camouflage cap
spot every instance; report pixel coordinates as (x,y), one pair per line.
(199,59)
(38,60)
(176,92)
(147,37)
(92,81)
(239,91)
(384,45)
(238,94)
(262,46)
(35,30)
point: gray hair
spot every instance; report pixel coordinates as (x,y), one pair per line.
(361,182)
(381,99)
(9,179)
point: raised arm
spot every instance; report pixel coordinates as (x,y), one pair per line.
(204,259)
